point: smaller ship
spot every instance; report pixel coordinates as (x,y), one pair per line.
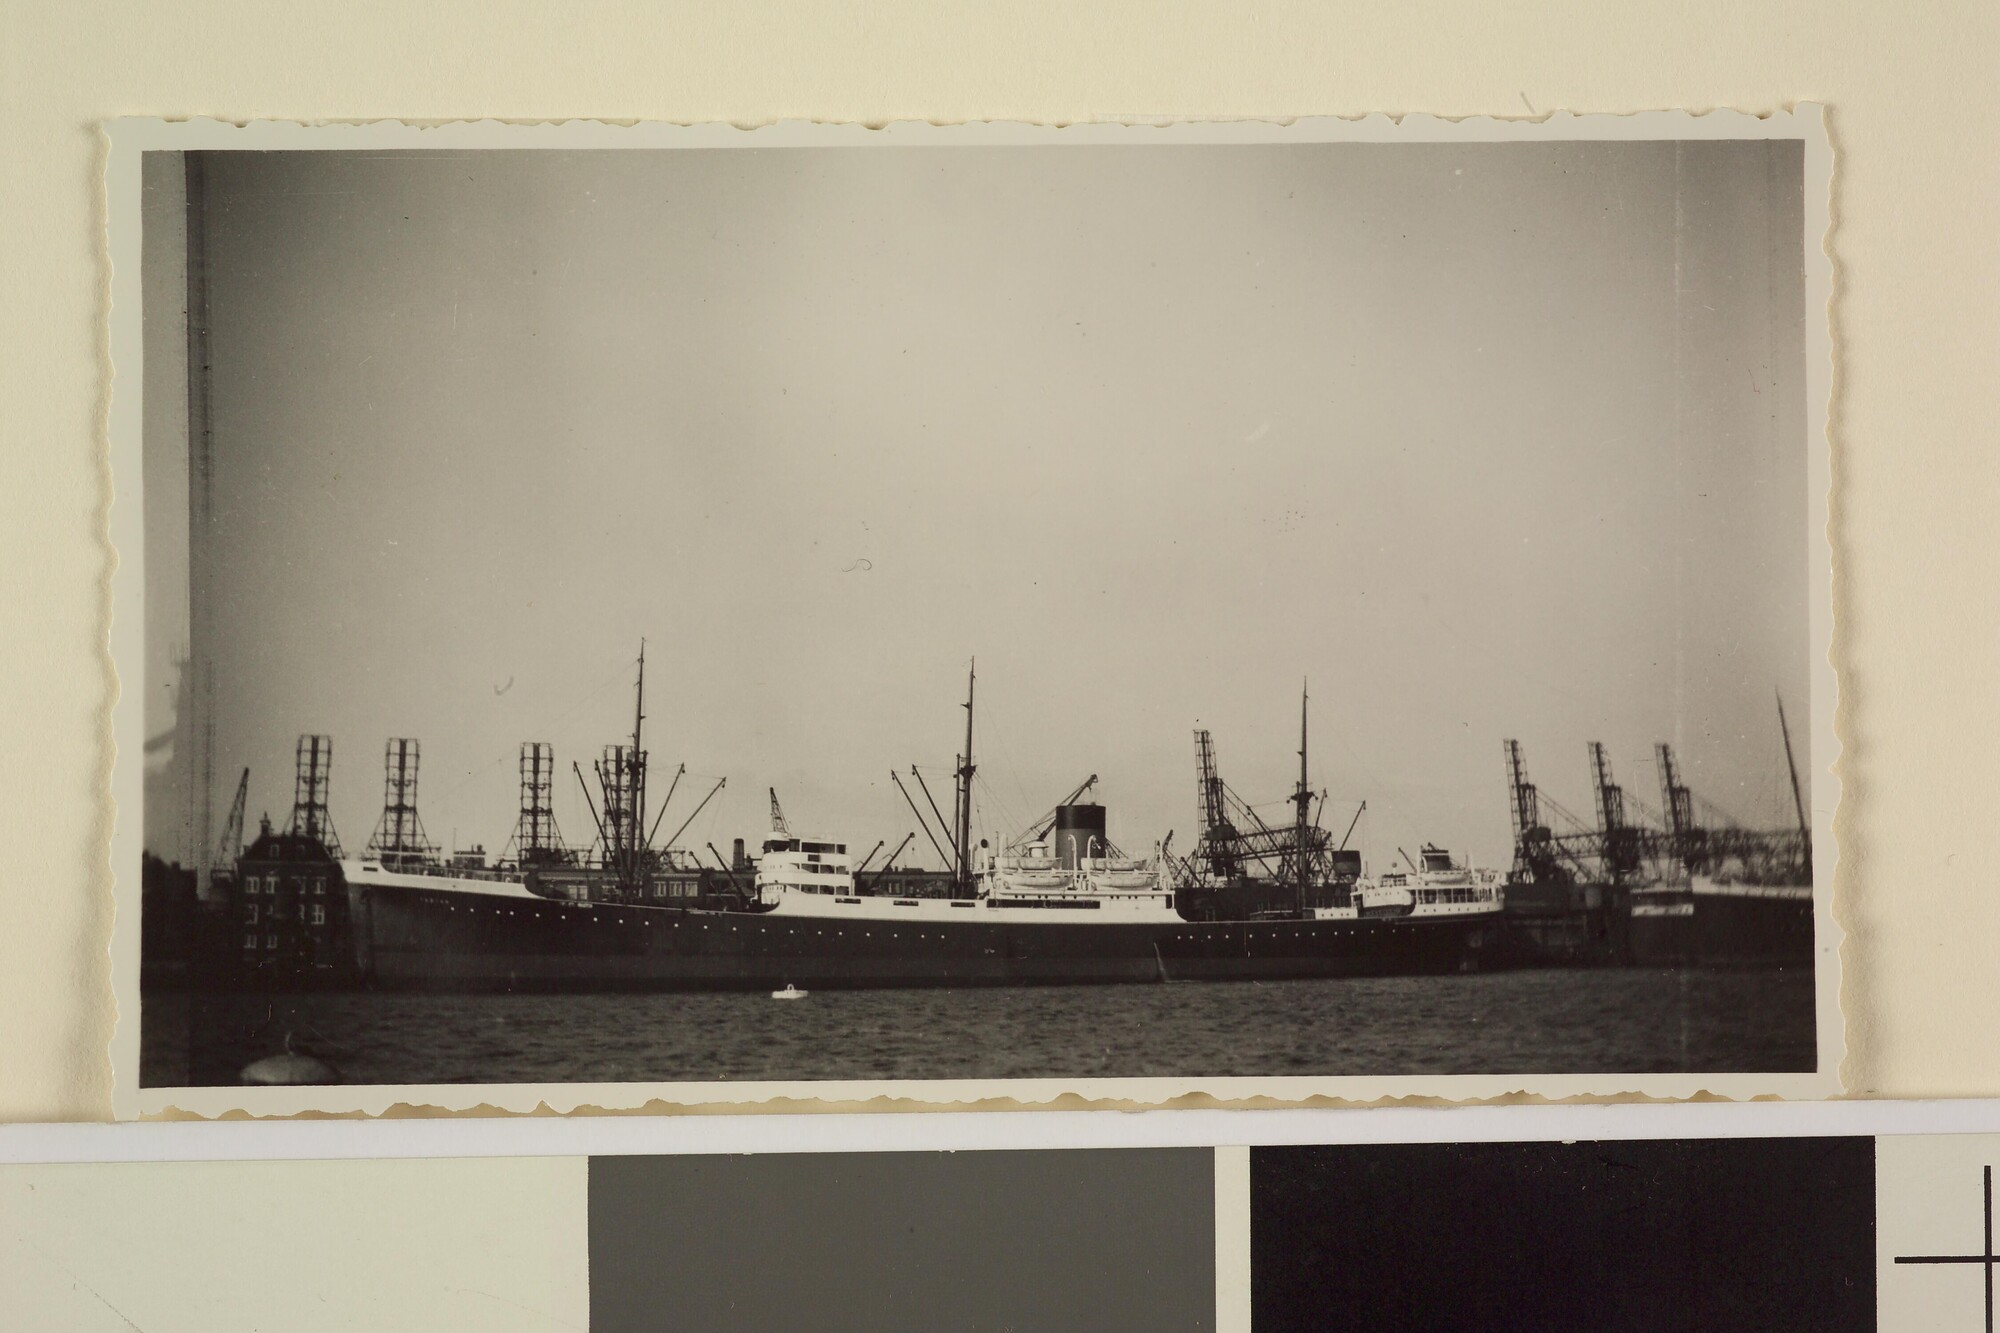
(1436,887)
(1246,868)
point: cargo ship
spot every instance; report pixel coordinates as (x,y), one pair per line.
(1060,904)
(1723,921)
(1690,887)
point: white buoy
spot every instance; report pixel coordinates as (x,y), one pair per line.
(790,992)
(292,1069)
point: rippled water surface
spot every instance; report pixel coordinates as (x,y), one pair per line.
(1623,1020)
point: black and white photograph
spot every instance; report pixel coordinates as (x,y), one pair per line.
(704,614)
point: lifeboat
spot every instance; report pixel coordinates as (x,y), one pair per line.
(1124,879)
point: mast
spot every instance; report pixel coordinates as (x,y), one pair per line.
(1303,799)
(636,787)
(1792,765)
(962,878)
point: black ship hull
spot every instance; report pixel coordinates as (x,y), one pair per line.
(447,941)
(1565,924)
(1731,926)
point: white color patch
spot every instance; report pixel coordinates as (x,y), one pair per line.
(209,1247)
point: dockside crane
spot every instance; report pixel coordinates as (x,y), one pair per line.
(1703,838)
(1545,853)
(229,847)
(1628,843)
(1040,830)
(1625,845)
(1235,839)
(1219,836)
(1687,840)
(1234,836)
(778,825)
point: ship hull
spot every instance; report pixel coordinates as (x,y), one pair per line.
(1661,931)
(1723,925)
(1564,924)
(424,940)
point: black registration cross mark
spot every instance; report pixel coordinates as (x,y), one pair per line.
(1988,1258)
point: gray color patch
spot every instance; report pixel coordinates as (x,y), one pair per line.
(1021,1241)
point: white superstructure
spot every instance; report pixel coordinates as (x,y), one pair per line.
(1437,888)
(1035,878)
(793,879)
(792,865)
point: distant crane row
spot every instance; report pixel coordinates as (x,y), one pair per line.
(1618,848)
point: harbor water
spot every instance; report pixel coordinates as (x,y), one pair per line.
(1613,1020)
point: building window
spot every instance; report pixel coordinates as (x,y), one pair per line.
(250,940)
(319,915)
(270,941)
(250,884)
(250,914)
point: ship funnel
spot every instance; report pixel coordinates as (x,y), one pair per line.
(1079,834)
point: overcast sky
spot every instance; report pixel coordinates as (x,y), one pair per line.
(1485,440)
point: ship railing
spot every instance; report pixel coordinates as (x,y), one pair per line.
(1455,893)
(1736,888)
(1001,898)
(440,870)
(1081,885)
(1075,882)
